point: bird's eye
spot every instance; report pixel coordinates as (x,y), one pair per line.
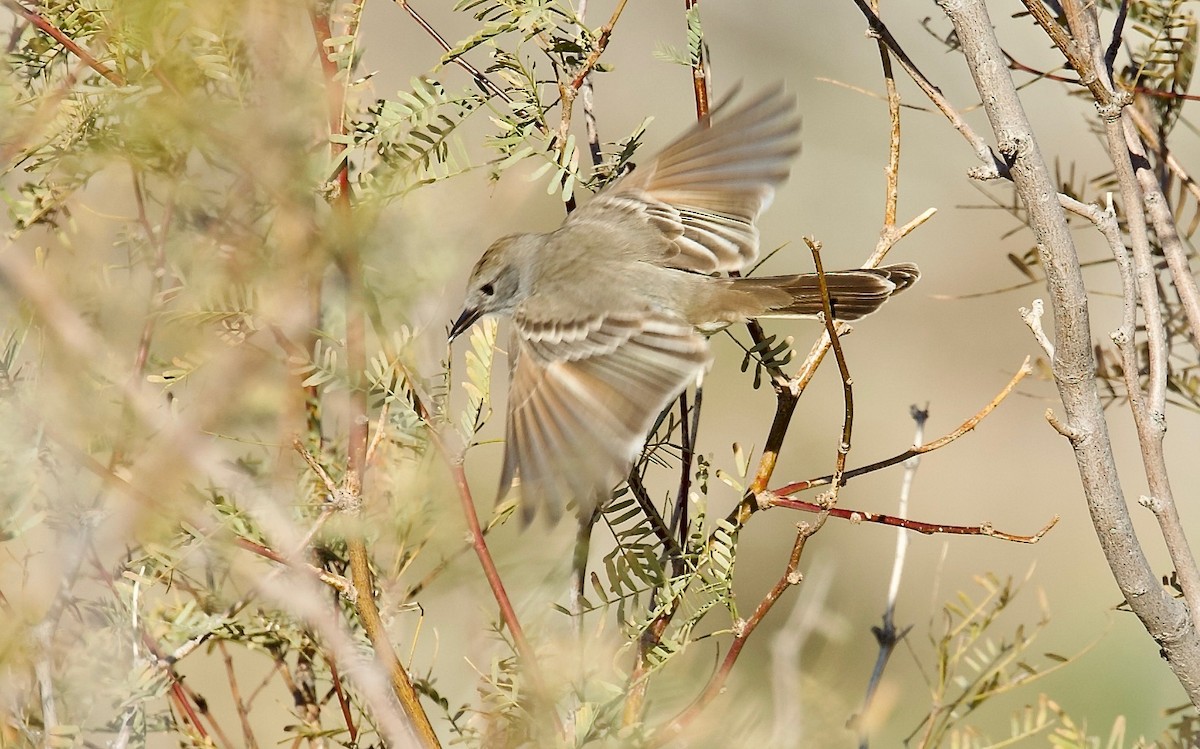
(487,289)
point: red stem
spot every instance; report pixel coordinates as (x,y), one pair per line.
(39,22)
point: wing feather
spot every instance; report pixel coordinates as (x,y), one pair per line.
(704,191)
(580,406)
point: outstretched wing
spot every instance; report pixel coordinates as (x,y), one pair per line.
(582,396)
(704,192)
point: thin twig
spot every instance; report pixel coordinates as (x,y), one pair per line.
(235,695)
(598,48)
(892,170)
(968,425)
(887,634)
(1076,58)
(480,79)
(45,26)
(843,448)
(742,631)
(1032,317)
(919,526)
(587,93)
(991,165)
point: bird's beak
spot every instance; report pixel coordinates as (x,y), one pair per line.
(464,321)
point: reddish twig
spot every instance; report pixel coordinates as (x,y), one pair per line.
(597,48)
(928,529)
(343,700)
(743,630)
(699,70)
(45,26)
(1015,64)
(235,695)
(507,612)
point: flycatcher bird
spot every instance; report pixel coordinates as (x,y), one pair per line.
(611,309)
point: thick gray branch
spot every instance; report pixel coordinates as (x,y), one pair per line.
(1165,618)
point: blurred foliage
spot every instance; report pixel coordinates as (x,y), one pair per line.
(178,196)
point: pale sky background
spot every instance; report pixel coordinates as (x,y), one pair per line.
(1014,471)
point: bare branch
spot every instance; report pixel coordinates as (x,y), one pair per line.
(1074,365)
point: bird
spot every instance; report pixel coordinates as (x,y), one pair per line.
(612,311)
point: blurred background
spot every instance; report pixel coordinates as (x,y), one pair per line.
(950,345)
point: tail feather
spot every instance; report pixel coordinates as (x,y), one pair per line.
(853,294)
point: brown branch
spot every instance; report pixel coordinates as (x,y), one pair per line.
(598,48)
(942,441)
(45,26)
(743,630)
(234,694)
(991,165)
(1077,58)
(843,448)
(925,528)
(892,170)
(350,263)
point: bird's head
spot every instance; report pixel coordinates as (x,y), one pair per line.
(497,283)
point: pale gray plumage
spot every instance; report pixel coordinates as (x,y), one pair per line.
(609,310)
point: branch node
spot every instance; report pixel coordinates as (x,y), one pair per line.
(984,172)
(1069,432)
(1153,504)
(344,500)
(795,577)
(765,499)
(1110,111)
(1033,319)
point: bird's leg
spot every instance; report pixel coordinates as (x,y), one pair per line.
(583,543)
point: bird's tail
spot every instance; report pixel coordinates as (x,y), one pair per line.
(853,294)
